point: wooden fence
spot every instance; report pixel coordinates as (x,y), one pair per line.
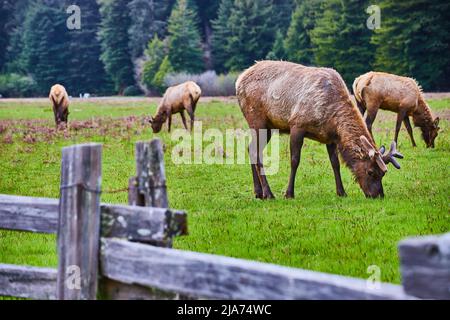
(124,252)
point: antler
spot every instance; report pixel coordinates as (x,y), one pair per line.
(393,153)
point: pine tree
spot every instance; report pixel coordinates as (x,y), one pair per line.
(87,73)
(298,44)
(148,18)
(414,40)
(45,46)
(185,50)
(252,33)
(341,38)
(282,12)
(277,52)
(114,42)
(6,9)
(155,54)
(221,34)
(15,60)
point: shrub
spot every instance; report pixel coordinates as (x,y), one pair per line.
(210,83)
(164,69)
(15,85)
(132,91)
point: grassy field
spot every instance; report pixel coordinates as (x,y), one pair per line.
(317,230)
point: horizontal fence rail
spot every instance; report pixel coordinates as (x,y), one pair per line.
(28,282)
(217,277)
(145,224)
(28,213)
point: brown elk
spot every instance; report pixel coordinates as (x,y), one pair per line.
(314,103)
(176,99)
(378,90)
(60,101)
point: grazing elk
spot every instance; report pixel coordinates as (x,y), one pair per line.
(60,101)
(312,103)
(176,99)
(378,90)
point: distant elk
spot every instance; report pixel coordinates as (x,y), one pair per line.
(378,90)
(177,99)
(313,103)
(60,101)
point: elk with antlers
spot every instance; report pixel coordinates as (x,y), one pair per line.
(378,90)
(176,99)
(313,103)
(60,101)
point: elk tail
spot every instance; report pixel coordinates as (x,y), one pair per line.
(358,96)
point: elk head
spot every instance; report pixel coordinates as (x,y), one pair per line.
(62,115)
(156,124)
(372,168)
(430,132)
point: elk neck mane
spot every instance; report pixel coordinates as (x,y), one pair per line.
(350,127)
(161,114)
(422,116)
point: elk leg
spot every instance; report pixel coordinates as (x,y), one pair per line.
(256,183)
(253,152)
(191,116)
(183,118)
(296,144)
(190,108)
(257,148)
(398,125)
(169,123)
(410,130)
(371,115)
(331,148)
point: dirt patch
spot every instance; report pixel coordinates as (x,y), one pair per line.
(33,131)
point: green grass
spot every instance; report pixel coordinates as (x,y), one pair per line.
(317,230)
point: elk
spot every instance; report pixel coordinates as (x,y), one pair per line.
(379,90)
(314,103)
(60,101)
(176,99)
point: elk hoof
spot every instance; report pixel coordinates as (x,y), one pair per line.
(342,194)
(289,195)
(259,196)
(269,196)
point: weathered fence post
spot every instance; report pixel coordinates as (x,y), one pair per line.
(79,222)
(425,266)
(133,199)
(151,175)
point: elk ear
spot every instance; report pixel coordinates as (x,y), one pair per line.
(151,119)
(367,146)
(436,122)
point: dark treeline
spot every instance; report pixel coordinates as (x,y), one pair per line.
(126,46)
